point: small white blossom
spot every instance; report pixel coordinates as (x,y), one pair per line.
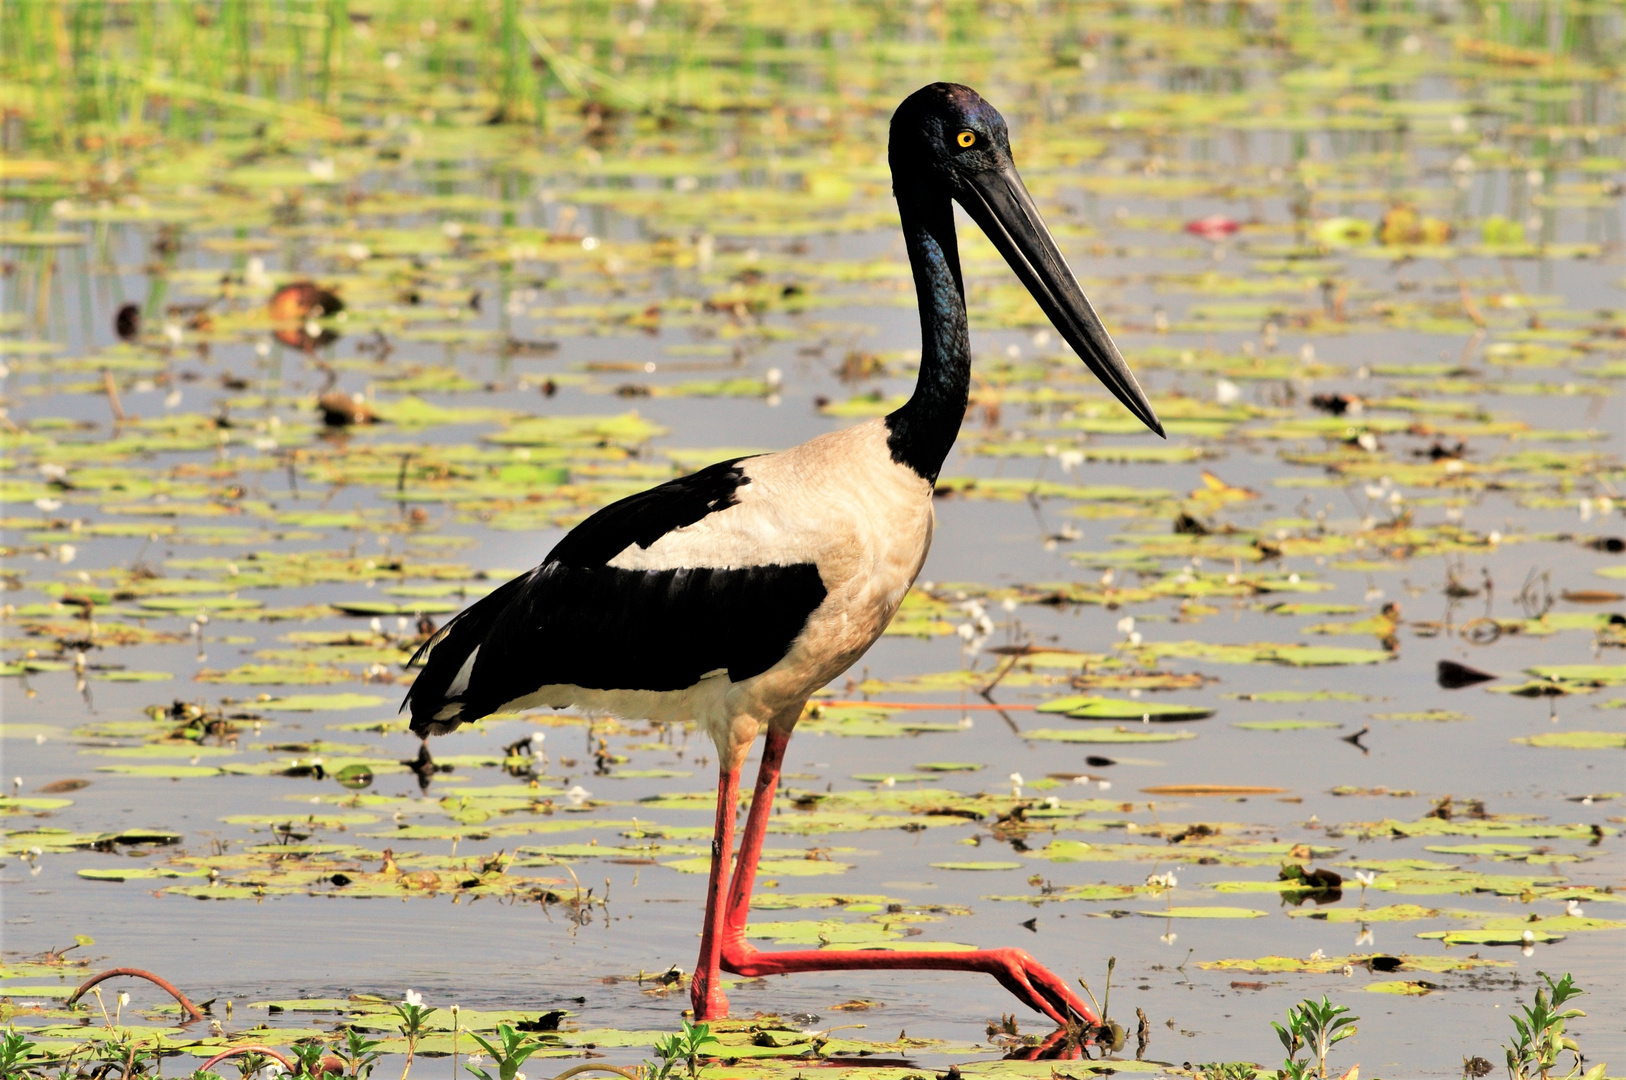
(413,998)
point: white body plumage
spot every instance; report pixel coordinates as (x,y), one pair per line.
(838,501)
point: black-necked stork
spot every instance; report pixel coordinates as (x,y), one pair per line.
(727,598)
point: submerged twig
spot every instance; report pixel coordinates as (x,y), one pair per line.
(192,1011)
(253,1048)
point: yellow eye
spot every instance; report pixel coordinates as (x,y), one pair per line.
(967,138)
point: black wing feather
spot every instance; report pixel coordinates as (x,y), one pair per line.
(649,515)
(575,620)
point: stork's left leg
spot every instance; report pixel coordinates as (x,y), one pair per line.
(705,990)
(1033,984)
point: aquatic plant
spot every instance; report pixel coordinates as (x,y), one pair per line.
(1316,1027)
(360,1054)
(1541,1041)
(413,1014)
(17,1051)
(508,1052)
(685,1046)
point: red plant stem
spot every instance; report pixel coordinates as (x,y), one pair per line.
(238,1051)
(192,1011)
(928,706)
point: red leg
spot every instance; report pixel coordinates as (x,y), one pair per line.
(756,828)
(1018,972)
(705,993)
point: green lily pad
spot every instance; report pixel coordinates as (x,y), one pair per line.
(1270,965)
(318,702)
(1205,913)
(28,731)
(1085,707)
(1115,735)
(161,772)
(986,865)
(1284,725)
(1401,987)
(132,676)
(386,608)
(1577,740)
(1492,937)
(1430,715)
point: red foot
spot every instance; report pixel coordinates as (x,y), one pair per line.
(1032,983)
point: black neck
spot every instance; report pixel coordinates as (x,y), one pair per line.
(923,430)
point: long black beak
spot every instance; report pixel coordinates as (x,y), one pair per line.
(999,202)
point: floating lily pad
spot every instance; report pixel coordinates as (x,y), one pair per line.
(317,702)
(1205,913)
(1577,740)
(1415,988)
(1085,707)
(1114,735)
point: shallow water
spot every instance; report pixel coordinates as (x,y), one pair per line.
(1498,519)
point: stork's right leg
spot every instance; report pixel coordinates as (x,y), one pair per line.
(1023,976)
(705,990)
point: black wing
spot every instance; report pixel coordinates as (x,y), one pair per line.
(575,620)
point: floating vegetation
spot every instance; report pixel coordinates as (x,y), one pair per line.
(322,319)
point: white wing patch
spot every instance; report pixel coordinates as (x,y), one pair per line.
(768,526)
(461,682)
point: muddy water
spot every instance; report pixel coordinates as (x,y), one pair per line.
(491,953)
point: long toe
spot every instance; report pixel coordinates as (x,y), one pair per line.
(1039,988)
(1012,968)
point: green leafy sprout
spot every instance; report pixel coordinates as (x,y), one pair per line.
(413,1014)
(16,1051)
(1541,1040)
(1316,1026)
(360,1054)
(1226,1070)
(508,1052)
(685,1046)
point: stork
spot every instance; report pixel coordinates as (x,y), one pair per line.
(728,597)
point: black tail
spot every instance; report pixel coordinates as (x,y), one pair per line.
(436,707)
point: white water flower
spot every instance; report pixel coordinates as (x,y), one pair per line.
(1366,877)
(1317,955)
(578,795)
(1573,908)
(413,998)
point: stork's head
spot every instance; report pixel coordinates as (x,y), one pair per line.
(947,141)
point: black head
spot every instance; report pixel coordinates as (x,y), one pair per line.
(943,132)
(946,141)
